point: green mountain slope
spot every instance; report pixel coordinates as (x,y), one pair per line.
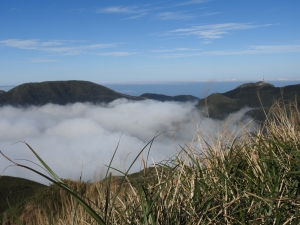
(60,92)
(254,95)
(17,191)
(164,98)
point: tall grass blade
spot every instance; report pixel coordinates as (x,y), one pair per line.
(13,213)
(62,185)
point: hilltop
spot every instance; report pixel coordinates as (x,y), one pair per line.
(254,95)
(66,92)
(59,92)
(16,190)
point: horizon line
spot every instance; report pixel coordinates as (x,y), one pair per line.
(162,82)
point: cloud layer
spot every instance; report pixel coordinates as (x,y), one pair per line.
(83,137)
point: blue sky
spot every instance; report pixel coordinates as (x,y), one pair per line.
(149,41)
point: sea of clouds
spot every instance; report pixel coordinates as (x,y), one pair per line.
(82,137)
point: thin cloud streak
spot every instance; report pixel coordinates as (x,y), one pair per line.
(261,49)
(136,11)
(210,14)
(121,9)
(174,16)
(175,49)
(193,2)
(56,46)
(213,31)
(43,60)
(117,54)
(147,10)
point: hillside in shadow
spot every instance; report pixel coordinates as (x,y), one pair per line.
(258,96)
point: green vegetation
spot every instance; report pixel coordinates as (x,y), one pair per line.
(259,84)
(253,95)
(217,106)
(164,98)
(250,178)
(59,92)
(17,191)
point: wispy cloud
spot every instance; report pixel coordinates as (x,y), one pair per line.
(79,10)
(161,50)
(173,16)
(175,49)
(41,60)
(118,9)
(206,42)
(55,46)
(193,2)
(29,44)
(213,31)
(259,49)
(211,14)
(179,55)
(136,11)
(117,54)
(180,52)
(16,9)
(187,49)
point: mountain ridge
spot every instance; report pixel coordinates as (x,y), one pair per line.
(218,105)
(59,92)
(66,92)
(258,97)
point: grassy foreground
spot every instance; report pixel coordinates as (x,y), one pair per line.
(252,178)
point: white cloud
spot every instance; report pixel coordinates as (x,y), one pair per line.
(214,31)
(117,9)
(30,43)
(175,49)
(55,46)
(161,50)
(173,16)
(206,42)
(260,49)
(192,2)
(117,54)
(135,10)
(67,137)
(179,55)
(146,10)
(42,60)
(187,49)
(211,14)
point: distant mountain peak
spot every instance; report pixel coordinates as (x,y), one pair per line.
(258,84)
(60,92)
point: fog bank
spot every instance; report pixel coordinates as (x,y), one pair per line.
(82,137)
